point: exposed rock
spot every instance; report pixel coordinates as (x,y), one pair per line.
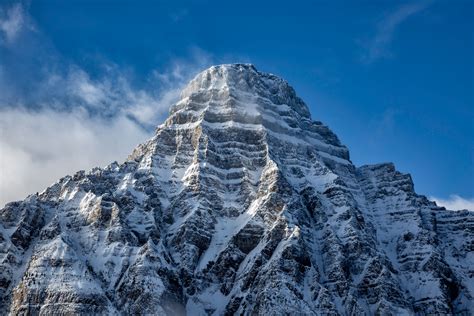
(239,204)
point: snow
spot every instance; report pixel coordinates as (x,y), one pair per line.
(225,229)
(372,207)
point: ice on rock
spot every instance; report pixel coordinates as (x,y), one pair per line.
(239,204)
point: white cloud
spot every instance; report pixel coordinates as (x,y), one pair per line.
(82,87)
(379,45)
(37,148)
(112,94)
(455,202)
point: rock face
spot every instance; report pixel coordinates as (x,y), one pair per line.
(239,204)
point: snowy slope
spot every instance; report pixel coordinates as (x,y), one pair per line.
(240,203)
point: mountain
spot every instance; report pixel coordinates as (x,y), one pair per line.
(239,204)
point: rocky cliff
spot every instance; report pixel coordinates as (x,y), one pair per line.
(239,204)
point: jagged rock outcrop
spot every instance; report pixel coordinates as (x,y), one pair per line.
(239,204)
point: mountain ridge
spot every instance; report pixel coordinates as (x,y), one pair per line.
(239,203)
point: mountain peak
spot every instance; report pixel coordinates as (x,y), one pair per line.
(241,97)
(239,204)
(243,82)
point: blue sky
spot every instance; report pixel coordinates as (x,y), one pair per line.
(394,80)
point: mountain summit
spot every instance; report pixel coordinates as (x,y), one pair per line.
(239,204)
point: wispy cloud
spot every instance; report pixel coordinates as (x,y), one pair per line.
(13,21)
(455,202)
(111,94)
(70,119)
(89,123)
(378,46)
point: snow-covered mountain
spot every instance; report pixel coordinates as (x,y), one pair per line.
(239,204)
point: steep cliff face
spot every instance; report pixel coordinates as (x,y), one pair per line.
(240,203)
